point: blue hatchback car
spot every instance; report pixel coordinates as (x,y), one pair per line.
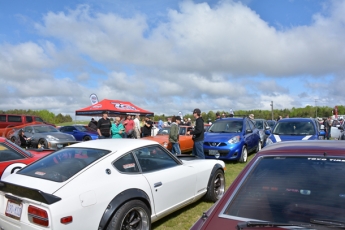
(80,132)
(292,129)
(231,139)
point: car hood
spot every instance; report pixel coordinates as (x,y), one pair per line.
(279,138)
(219,137)
(46,186)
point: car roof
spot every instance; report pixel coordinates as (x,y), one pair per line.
(296,119)
(114,144)
(310,146)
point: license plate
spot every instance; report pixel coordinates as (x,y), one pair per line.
(59,146)
(14,209)
(212,152)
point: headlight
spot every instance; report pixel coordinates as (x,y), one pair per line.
(51,138)
(234,140)
(268,141)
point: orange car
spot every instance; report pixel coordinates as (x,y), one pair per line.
(162,137)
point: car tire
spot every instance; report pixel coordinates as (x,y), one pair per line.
(87,138)
(244,155)
(217,186)
(134,214)
(13,139)
(259,147)
(43,143)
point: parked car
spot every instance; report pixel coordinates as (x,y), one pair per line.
(8,121)
(13,158)
(106,184)
(185,141)
(80,132)
(290,129)
(262,125)
(341,129)
(45,136)
(287,185)
(231,139)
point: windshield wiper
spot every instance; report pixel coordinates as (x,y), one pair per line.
(328,223)
(247,224)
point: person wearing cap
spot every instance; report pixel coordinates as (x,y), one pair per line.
(198,135)
(93,124)
(104,126)
(174,135)
(147,126)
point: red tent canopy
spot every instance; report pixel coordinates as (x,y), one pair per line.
(114,107)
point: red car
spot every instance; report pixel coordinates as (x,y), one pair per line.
(293,184)
(13,157)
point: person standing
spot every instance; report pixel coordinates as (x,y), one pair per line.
(174,135)
(198,135)
(328,127)
(117,129)
(147,126)
(160,124)
(137,130)
(93,124)
(129,126)
(104,126)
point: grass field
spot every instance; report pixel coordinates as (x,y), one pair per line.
(186,217)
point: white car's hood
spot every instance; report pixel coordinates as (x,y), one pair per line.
(46,186)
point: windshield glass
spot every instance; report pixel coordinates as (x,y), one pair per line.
(291,190)
(259,124)
(45,129)
(63,164)
(226,126)
(294,128)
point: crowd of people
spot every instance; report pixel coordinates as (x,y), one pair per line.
(131,127)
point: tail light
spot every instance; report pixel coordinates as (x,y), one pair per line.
(38,216)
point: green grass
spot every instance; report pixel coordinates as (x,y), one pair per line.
(186,217)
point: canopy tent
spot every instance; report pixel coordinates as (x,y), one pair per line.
(114,108)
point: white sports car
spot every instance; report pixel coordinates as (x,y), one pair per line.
(106,184)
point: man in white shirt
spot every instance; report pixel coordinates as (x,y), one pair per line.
(137,130)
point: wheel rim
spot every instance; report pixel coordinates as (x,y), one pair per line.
(219,185)
(245,155)
(136,218)
(42,144)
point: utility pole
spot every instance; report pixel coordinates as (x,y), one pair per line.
(272,109)
(315,108)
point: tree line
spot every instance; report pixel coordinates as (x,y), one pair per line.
(44,114)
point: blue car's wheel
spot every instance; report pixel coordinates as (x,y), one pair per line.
(244,155)
(87,138)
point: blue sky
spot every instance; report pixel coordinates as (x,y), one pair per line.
(169,56)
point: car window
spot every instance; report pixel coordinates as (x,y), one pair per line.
(80,128)
(154,158)
(259,124)
(2,117)
(61,165)
(28,119)
(45,129)
(126,164)
(291,189)
(38,119)
(8,154)
(12,118)
(295,128)
(164,131)
(249,125)
(27,129)
(228,126)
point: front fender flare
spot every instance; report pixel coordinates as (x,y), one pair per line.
(118,200)
(215,167)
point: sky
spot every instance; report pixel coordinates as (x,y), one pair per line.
(170,56)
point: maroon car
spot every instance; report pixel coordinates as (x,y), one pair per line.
(286,185)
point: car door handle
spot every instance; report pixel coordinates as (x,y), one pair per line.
(158,184)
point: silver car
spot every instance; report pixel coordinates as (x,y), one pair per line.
(45,136)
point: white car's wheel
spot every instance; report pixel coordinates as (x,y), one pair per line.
(217,187)
(244,154)
(132,215)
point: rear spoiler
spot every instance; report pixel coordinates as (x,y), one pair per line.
(30,193)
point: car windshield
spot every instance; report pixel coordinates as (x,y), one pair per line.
(164,131)
(259,124)
(45,129)
(294,128)
(81,128)
(291,190)
(63,164)
(226,126)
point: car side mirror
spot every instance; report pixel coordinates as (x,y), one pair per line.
(268,132)
(322,133)
(249,131)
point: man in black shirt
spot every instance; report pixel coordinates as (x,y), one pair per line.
(104,126)
(198,135)
(147,127)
